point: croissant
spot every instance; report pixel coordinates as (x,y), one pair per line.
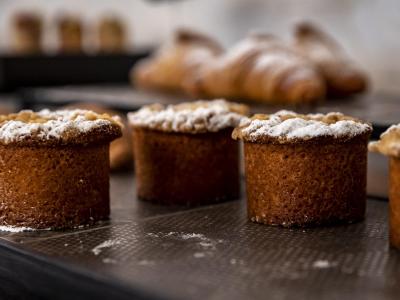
(342,76)
(260,68)
(174,63)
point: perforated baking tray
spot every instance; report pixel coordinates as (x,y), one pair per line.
(153,252)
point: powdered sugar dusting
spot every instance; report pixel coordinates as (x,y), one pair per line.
(323,264)
(290,126)
(199,116)
(47,125)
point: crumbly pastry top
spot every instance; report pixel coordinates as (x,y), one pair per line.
(389,142)
(190,117)
(288,127)
(58,127)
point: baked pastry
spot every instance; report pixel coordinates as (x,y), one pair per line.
(184,154)
(389,144)
(121,148)
(26,33)
(305,170)
(343,77)
(176,62)
(260,68)
(112,37)
(70,34)
(54,168)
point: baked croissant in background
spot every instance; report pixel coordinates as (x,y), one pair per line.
(342,76)
(260,68)
(173,63)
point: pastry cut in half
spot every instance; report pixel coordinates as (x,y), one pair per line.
(305,170)
(184,154)
(389,145)
(54,168)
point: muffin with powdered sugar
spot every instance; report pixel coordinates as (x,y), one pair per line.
(54,168)
(184,154)
(305,170)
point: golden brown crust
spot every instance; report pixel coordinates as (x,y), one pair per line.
(53,187)
(185,169)
(306,184)
(342,76)
(185,35)
(394,202)
(175,63)
(260,68)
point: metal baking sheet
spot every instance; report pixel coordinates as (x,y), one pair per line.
(214,252)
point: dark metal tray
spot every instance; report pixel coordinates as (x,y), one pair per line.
(211,252)
(61,69)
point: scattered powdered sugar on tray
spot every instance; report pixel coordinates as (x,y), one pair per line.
(187,236)
(206,244)
(109,261)
(146,262)
(285,124)
(47,124)
(199,116)
(17,229)
(199,255)
(106,244)
(323,264)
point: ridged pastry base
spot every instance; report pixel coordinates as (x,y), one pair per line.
(306,184)
(186,169)
(54,187)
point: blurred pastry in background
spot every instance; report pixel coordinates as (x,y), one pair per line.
(26,33)
(70,34)
(343,77)
(176,62)
(111,35)
(121,148)
(260,68)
